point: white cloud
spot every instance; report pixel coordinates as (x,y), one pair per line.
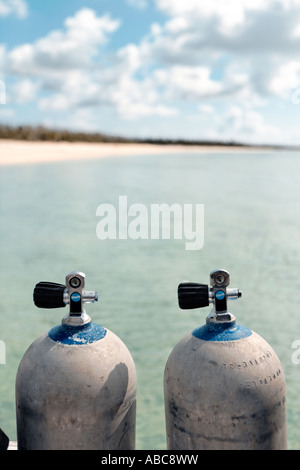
(226,16)
(187,83)
(13,7)
(286,78)
(77,88)
(245,122)
(134,99)
(23,91)
(63,63)
(115,87)
(74,47)
(255,40)
(229,10)
(235,26)
(237,52)
(237,123)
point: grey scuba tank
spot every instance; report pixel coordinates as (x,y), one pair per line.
(224,384)
(76,384)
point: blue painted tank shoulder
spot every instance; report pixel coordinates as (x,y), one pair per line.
(77,335)
(221,332)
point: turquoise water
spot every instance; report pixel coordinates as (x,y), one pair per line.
(252,228)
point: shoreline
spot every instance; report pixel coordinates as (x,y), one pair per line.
(21,152)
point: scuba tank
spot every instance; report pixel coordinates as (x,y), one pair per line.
(76,384)
(224,385)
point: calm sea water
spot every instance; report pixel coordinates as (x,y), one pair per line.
(252,228)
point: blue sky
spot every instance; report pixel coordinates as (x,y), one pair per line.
(225,70)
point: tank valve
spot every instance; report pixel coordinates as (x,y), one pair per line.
(53,295)
(193,295)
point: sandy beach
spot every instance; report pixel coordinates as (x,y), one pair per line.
(17,152)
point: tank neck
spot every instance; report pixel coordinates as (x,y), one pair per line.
(217,324)
(78,320)
(223,318)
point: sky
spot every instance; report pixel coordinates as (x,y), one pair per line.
(226,70)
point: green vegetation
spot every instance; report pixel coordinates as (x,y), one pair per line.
(40,133)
